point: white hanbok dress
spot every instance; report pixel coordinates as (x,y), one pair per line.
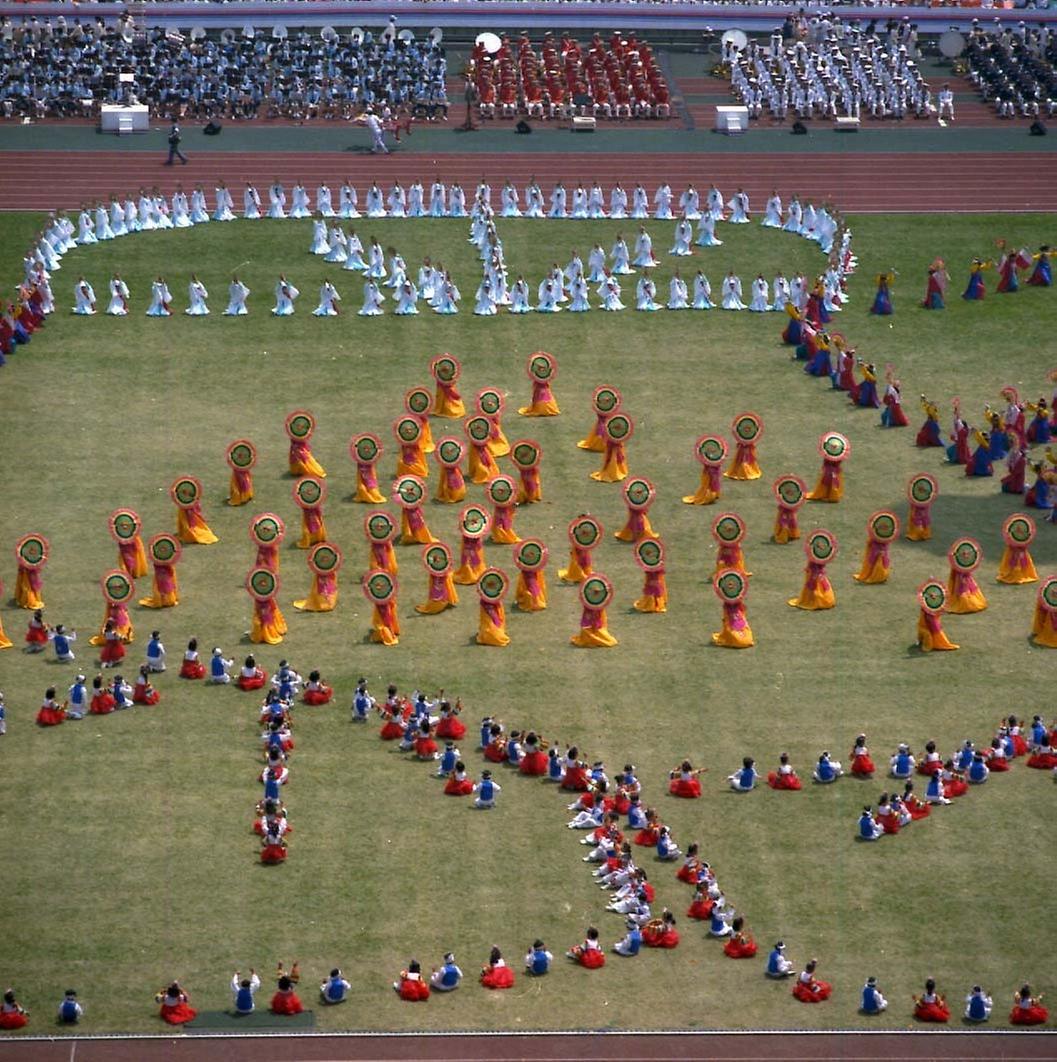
(324,202)
(117,223)
(519,297)
(397,272)
(702,293)
(662,202)
(160,298)
(557,209)
(84,297)
(86,231)
(596,202)
(225,205)
(407,300)
(415,206)
(397,202)
(714,202)
(794,217)
(739,209)
(644,258)
(285,294)
(145,213)
(181,214)
(580,296)
(731,294)
(372,300)
(299,207)
(438,194)
(781,292)
(547,297)
(103,231)
(508,202)
(579,209)
(759,302)
(132,223)
(447,298)
(533,201)
(772,218)
(348,201)
(640,203)
(706,232)
(456,203)
(596,265)
(338,251)
(237,293)
(197,295)
(251,203)
(320,239)
(621,258)
(199,210)
(485,305)
(684,233)
(375,262)
(276,201)
(690,204)
(609,290)
(375,202)
(677,294)
(328,301)
(618,203)
(645,295)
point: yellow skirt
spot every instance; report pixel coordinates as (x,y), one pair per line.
(197,533)
(446,406)
(367,495)
(872,573)
(933,641)
(1044,628)
(814,600)
(5,642)
(649,603)
(574,573)
(826,492)
(409,537)
(540,409)
(919,534)
(614,470)
(704,495)
(309,538)
(594,442)
(382,634)
(743,470)
(468,574)
(126,633)
(450,600)
(139,563)
(447,494)
(308,467)
(626,534)
(482,471)
(1015,575)
(236,496)
(732,639)
(426,439)
(418,467)
(268,633)
(499,446)
(505,536)
(317,602)
(783,534)
(527,602)
(25,595)
(594,637)
(963,604)
(489,633)
(159,600)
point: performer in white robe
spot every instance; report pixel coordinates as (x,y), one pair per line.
(225,210)
(644,258)
(618,201)
(662,202)
(328,301)
(415,207)
(397,201)
(375,261)
(196,296)
(706,231)
(731,293)
(580,296)
(86,231)
(690,203)
(596,264)
(714,203)
(456,201)
(375,202)
(348,200)
(160,299)
(320,240)
(645,294)
(338,246)
(609,290)
(427,279)
(354,252)
(677,294)
(684,233)
(519,296)
(772,218)
(702,292)
(277,201)
(447,297)
(103,231)
(406,300)
(437,198)
(118,306)
(794,216)
(533,200)
(324,202)
(485,304)
(640,203)
(285,294)
(145,213)
(579,208)
(621,257)
(547,297)
(181,213)
(131,216)
(557,209)
(508,201)
(251,203)
(372,300)
(596,202)
(199,210)
(299,205)
(781,292)
(117,223)
(237,293)
(739,208)
(759,303)
(84,297)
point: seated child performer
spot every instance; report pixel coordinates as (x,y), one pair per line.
(808,989)
(930,1006)
(538,959)
(777,964)
(70,1010)
(588,954)
(785,777)
(243,989)
(1027,1009)
(496,974)
(684,780)
(334,989)
(192,667)
(410,986)
(740,944)
(447,977)
(285,1000)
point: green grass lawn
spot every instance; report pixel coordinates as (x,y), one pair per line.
(129,854)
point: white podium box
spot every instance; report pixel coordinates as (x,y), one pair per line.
(732,119)
(134,119)
(583,124)
(846,125)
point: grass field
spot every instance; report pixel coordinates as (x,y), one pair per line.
(130,859)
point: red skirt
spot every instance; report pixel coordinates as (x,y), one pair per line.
(425,748)
(701,910)
(592,958)
(145,698)
(686,873)
(936,1012)
(37,636)
(735,949)
(889,823)
(1044,761)
(189,669)
(690,788)
(929,769)
(918,811)
(495,753)
(576,780)
(272,854)
(112,652)
(450,729)
(50,716)
(862,766)
(255,683)
(647,838)
(998,764)
(783,781)
(1035,1015)
(668,938)
(102,703)
(391,731)
(317,697)
(454,788)
(1020,746)
(806,995)
(498,977)
(956,787)
(178,1013)
(12,1020)
(534,763)
(285,1003)
(413,991)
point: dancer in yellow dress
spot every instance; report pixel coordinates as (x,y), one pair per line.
(309,494)
(596,593)
(790,492)
(584,532)
(241,457)
(125,526)
(1044,623)
(482,464)
(817,592)
(619,428)
(963,593)
(381,531)
(922,490)
(491,621)
(164,551)
(834,449)
(747,429)
(451,487)
(728,532)
(300,426)
(269,625)
(447,402)
(412,460)
(881,530)
(267,532)
(118,591)
(191,526)
(437,560)
(932,597)
(380,589)
(604,402)
(502,493)
(649,556)
(530,593)
(1016,565)
(731,587)
(31,553)
(526,455)
(418,403)
(409,492)
(366,449)
(324,561)
(490,402)
(474,525)
(542,368)
(711,451)
(639,495)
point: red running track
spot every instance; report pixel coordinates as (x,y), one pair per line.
(918,182)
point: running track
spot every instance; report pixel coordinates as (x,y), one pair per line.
(554,1047)
(909,182)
